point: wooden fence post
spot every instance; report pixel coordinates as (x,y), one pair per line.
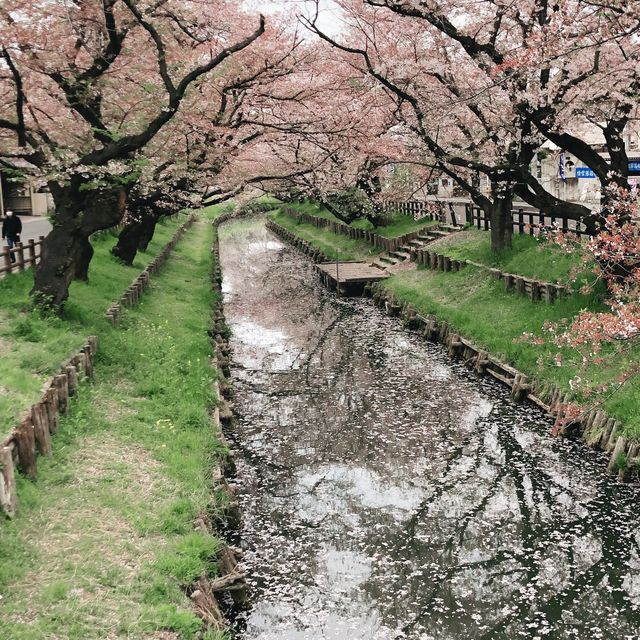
(7,259)
(61,383)
(20,256)
(72,379)
(25,441)
(8,496)
(40,420)
(32,252)
(51,403)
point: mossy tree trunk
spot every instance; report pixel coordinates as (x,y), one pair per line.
(66,251)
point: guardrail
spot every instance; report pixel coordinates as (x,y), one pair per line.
(527,222)
(24,255)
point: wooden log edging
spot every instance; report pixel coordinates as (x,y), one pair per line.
(136,290)
(302,245)
(230,581)
(514,283)
(374,239)
(593,426)
(246,211)
(32,436)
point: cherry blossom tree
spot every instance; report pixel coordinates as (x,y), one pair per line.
(205,137)
(563,65)
(467,118)
(86,87)
(329,131)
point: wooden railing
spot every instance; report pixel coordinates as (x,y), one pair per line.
(528,222)
(25,256)
(418,209)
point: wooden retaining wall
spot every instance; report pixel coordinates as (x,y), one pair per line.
(306,247)
(378,241)
(514,283)
(134,292)
(32,436)
(230,583)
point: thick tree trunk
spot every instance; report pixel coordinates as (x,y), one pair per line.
(84,260)
(66,250)
(500,217)
(148,231)
(127,246)
(135,236)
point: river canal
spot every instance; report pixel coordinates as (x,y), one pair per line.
(388,492)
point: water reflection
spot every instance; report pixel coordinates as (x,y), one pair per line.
(388,493)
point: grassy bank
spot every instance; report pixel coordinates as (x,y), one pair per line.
(104,540)
(395,225)
(32,348)
(529,257)
(478,307)
(334,245)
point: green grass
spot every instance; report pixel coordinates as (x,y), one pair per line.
(479,308)
(33,348)
(334,245)
(104,540)
(529,257)
(395,225)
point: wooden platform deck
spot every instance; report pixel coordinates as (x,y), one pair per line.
(349,278)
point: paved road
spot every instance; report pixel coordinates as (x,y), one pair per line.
(34,227)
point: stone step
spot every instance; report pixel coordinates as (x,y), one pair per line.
(380,264)
(401,255)
(389,259)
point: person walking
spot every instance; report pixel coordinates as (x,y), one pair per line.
(11,230)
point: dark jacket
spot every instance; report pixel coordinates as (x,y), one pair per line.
(11,227)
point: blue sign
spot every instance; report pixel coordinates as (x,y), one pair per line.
(585,172)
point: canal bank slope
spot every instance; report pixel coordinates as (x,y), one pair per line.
(477,306)
(110,539)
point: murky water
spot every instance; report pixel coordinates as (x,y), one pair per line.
(389,493)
